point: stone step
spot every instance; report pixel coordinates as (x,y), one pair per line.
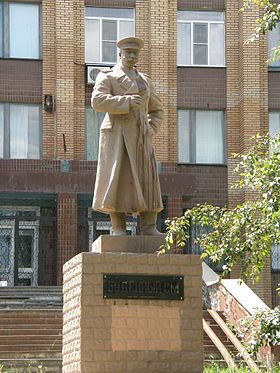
(24,297)
(31,321)
(24,330)
(28,337)
(28,347)
(50,365)
(13,355)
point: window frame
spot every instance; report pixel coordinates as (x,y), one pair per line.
(192,137)
(272,66)
(273,111)
(32,272)
(208,23)
(100,19)
(5,52)
(7,129)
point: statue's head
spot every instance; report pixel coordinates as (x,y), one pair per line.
(129,50)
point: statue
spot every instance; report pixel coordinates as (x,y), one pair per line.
(127,180)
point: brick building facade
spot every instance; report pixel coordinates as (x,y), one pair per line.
(216,91)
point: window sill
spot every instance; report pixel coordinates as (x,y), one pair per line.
(100,64)
(20,59)
(211,66)
(273,68)
(202,164)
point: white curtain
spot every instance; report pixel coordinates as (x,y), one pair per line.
(209,137)
(92,40)
(1,30)
(184,136)
(24,30)
(126,28)
(274,123)
(1,130)
(24,131)
(217,44)
(183,43)
(93,123)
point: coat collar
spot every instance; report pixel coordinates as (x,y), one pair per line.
(124,80)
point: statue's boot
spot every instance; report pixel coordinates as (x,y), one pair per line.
(118,223)
(148,224)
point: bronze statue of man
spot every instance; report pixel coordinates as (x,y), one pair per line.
(127,180)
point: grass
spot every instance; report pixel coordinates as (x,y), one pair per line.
(215,368)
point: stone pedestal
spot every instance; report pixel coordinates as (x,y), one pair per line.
(131,335)
(127,244)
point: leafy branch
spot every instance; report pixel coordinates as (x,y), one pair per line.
(267,22)
(246,233)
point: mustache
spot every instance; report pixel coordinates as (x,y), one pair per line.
(130,58)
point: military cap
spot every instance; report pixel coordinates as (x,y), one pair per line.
(130,42)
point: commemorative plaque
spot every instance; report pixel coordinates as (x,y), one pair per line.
(128,286)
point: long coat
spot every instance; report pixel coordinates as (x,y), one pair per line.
(126,179)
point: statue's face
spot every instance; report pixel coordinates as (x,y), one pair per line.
(129,57)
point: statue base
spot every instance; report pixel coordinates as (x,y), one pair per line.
(129,311)
(128,244)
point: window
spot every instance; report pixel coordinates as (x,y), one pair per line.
(274,122)
(20,131)
(93,123)
(196,231)
(201,137)
(103,28)
(275,258)
(200,38)
(20,30)
(19,233)
(273,41)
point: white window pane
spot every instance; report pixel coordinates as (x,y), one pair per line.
(275,257)
(109,12)
(24,30)
(92,40)
(200,54)
(1,29)
(199,15)
(109,51)
(24,131)
(273,41)
(274,123)
(93,123)
(1,130)
(209,137)
(184,43)
(217,42)
(109,30)
(200,33)
(126,28)
(183,136)
(33,132)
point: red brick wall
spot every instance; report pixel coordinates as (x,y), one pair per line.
(274,90)
(201,88)
(111,3)
(66,230)
(201,4)
(21,81)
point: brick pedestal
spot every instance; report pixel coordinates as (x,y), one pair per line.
(128,244)
(131,335)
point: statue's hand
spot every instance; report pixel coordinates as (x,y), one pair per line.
(136,101)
